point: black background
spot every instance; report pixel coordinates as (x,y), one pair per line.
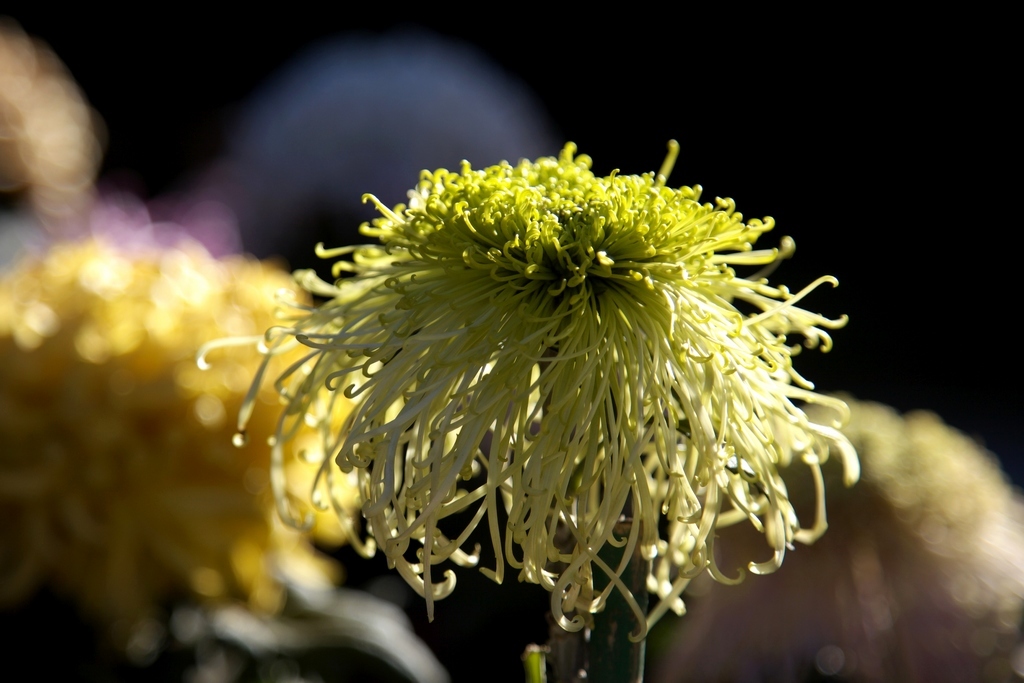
(888,148)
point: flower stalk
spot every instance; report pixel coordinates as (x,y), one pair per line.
(535,664)
(614,655)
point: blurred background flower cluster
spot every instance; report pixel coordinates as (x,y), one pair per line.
(160,177)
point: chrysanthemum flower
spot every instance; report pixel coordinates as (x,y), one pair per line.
(920,577)
(566,348)
(119,488)
(49,142)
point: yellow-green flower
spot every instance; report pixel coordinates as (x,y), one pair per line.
(569,348)
(119,488)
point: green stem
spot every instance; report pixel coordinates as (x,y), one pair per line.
(613,657)
(535,664)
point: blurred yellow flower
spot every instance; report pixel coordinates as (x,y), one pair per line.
(50,146)
(119,486)
(571,348)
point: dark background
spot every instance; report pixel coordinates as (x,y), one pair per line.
(887,148)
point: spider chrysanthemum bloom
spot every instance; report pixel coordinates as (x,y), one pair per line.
(119,488)
(571,348)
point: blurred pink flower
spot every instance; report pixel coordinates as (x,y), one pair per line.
(920,577)
(363,112)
